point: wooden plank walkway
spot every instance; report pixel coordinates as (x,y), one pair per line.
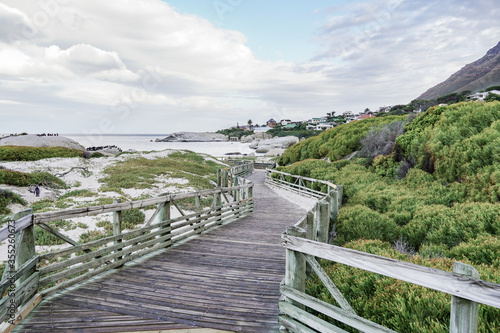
(227,280)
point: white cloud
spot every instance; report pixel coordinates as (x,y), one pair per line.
(89,58)
(10,19)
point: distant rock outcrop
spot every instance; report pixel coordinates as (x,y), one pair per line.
(265,146)
(194,137)
(32,140)
(255,137)
(475,76)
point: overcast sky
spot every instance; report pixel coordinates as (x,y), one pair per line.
(151,66)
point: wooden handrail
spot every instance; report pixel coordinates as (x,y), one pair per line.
(307,238)
(92,258)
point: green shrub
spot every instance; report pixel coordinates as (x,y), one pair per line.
(438,224)
(131,218)
(386,166)
(97,155)
(22,179)
(357,221)
(190,203)
(20,153)
(455,141)
(142,172)
(482,250)
(106,225)
(41,205)
(63,224)
(77,193)
(93,235)
(43,237)
(7,197)
(335,143)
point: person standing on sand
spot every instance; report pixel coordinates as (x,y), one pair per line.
(37,191)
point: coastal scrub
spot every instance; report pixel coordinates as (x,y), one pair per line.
(22,153)
(141,172)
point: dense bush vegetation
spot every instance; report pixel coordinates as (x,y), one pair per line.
(16,178)
(335,143)
(235,132)
(20,153)
(299,131)
(443,207)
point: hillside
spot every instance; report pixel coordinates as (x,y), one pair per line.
(429,196)
(337,142)
(475,76)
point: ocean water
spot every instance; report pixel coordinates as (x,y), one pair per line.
(146,143)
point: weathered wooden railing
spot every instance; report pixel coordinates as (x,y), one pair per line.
(256,165)
(28,276)
(311,187)
(240,170)
(307,240)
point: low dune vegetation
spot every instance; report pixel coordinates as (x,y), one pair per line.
(424,190)
(21,153)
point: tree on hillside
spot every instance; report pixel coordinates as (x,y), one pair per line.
(492,97)
(249,122)
(493,88)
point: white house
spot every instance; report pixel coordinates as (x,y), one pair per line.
(323,126)
(480,96)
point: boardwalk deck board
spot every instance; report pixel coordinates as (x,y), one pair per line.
(227,279)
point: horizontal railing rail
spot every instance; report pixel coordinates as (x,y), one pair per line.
(28,276)
(302,185)
(306,241)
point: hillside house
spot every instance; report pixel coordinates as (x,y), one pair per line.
(271,123)
(480,96)
(365,116)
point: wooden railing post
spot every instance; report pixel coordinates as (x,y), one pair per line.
(464,313)
(197,202)
(25,246)
(295,274)
(237,192)
(164,215)
(117,227)
(340,193)
(219,177)
(334,205)
(323,222)
(218,206)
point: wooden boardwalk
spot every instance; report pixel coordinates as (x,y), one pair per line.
(227,279)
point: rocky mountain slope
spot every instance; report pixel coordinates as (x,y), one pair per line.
(475,76)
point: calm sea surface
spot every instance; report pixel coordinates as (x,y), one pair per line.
(146,143)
